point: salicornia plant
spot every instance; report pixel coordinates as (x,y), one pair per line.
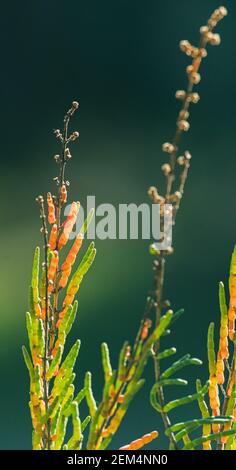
(52,311)
(56,278)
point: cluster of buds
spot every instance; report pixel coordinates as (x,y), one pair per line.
(184,159)
(183,125)
(168,147)
(73,136)
(189,49)
(217,16)
(68,155)
(58,134)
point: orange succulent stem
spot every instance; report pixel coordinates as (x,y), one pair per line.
(47,440)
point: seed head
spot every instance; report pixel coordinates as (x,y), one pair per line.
(168,147)
(166,168)
(195,77)
(183,125)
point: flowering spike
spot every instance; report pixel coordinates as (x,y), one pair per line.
(89,394)
(35,281)
(106,362)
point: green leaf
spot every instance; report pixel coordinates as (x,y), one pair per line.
(87,221)
(223,306)
(82,268)
(85,423)
(197,423)
(166,382)
(201,402)
(153,398)
(28,363)
(50,411)
(210,437)
(184,400)
(211,350)
(89,394)
(70,359)
(182,362)
(106,362)
(177,315)
(166,353)
(35,269)
(71,318)
(75,441)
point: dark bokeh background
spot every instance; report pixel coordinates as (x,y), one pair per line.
(121,60)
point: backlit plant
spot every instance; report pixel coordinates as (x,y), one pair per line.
(52,312)
(56,277)
(218,422)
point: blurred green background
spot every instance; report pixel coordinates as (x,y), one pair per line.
(121,60)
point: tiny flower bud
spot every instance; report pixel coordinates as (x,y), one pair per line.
(75,104)
(167,147)
(180,94)
(189,69)
(203,52)
(183,114)
(215,40)
(57,158)
(181,160)
(195,78)
(204,29)
(74,136)
(183,125)
(187,155)
(166,168)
